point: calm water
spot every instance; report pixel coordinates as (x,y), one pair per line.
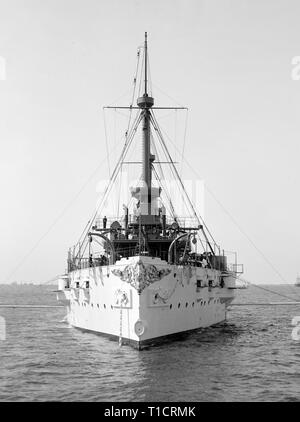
(251,357)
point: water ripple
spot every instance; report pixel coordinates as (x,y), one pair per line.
(251,357)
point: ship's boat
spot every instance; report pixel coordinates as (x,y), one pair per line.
(155,274)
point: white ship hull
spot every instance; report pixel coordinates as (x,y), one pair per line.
(141,300)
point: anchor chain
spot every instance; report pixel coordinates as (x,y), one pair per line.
(123,300)
(121,323)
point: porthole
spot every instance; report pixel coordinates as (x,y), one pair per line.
(178,305)
(186,305)
(104,306)
(111,306)
(174,274)
(97,305)
(171,306)
(193,304)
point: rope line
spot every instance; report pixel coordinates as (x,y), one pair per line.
(59,217)
(263,288)
(234,221)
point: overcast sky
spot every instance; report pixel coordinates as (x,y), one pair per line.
(229,61)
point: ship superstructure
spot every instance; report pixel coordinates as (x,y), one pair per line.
(154,274)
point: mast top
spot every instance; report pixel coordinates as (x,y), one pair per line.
(145,101)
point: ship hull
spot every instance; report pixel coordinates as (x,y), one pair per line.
(143,301)
(145,344)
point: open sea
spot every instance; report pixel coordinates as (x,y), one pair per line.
(250,357)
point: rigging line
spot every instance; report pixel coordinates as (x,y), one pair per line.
(119,195)
(175,133)
(50,281)
(91,221)
(87,243)
(174,175)
(178,184)
(180,181)
(238,226)
(106,142)
(245,234)
(263,288)
(165,191)
(119,98)
(115,127)
(120,113)
(115,144)
(102,202)
(31,306)
(136,75)
(164,116)
(265,304)
(83,231)
(235,222)
(168,156)
(56,220)
(134,87)
(204,240)
(116,169)
(171,98)
(106,193)
(132,133)
(259,287)
(184,141)
(203,222)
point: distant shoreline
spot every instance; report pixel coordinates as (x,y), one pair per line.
(27,284)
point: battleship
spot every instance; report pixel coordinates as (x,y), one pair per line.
(148,274)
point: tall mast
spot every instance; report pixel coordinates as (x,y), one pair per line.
(146,60)
(145,103)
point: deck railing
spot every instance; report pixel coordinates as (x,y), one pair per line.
(182,221)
